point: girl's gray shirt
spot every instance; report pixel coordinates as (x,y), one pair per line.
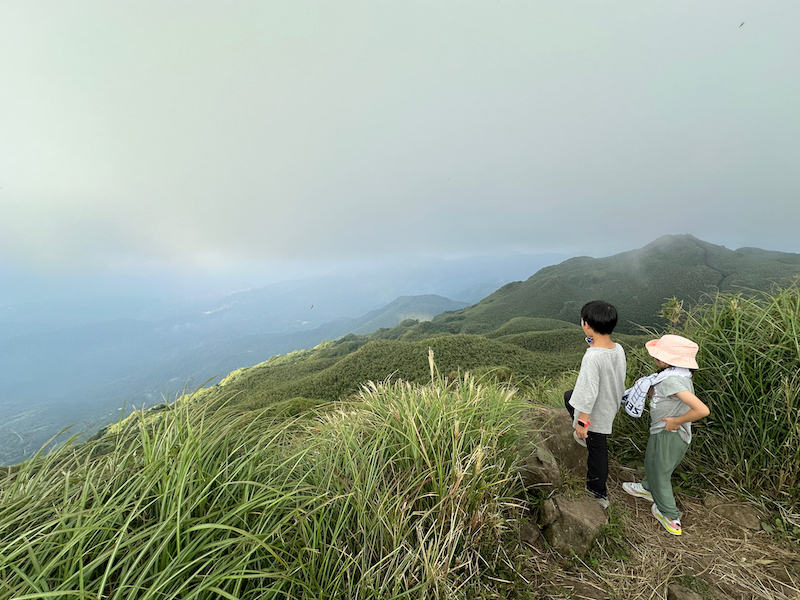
(665,403)
(600,386)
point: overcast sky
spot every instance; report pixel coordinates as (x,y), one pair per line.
(211,135)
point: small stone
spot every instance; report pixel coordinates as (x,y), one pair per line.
(679,592)
(529,533)
(738,513)
(548,513)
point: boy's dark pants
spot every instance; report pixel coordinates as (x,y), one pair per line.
(597,462)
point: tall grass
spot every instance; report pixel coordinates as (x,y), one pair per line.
(406,491)
(749,377)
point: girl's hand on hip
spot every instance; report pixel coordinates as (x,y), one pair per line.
(672,424)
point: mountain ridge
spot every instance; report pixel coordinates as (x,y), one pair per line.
(637,281)
(527,319)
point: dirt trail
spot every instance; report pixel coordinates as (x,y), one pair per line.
(719,559)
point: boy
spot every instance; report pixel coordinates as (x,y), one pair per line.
(594,402)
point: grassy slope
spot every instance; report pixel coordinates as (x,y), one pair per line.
(315,375)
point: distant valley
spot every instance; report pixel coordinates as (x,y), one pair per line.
(79,362)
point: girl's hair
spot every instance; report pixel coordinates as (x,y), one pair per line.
(669,366)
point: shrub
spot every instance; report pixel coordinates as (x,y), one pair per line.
(750,378)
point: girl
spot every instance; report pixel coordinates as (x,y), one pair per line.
(673,407)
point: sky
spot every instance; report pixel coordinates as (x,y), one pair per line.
(201,137)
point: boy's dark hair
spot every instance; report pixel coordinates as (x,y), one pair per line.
(600,316)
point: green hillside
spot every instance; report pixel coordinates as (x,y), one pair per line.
(322,375)
(334,370)
(522,332)
(419,308)
(637,282)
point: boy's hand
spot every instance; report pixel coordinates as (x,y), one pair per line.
(582,432)
(582,425)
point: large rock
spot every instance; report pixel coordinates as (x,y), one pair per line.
(551,429)
(540,471)
(571,524)
(568,524)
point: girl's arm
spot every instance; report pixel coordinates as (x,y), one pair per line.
(697,410)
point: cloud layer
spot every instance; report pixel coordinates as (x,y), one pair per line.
(202,133)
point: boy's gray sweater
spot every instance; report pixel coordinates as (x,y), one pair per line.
(600,386)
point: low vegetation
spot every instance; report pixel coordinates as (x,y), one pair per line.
(750,357)
(334,370)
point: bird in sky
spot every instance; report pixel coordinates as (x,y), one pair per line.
(742,24)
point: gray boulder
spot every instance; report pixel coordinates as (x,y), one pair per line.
(571,524)
(551,429)
(539,470)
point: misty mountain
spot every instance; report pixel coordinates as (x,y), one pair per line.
(637,282)
(308,303)
(418,308)
(80,361)
(522,332)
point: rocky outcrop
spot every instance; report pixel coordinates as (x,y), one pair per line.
(569,523)
(551,431)
(540,470)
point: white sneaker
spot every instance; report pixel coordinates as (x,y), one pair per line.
(671,525)
(580,440)
(601,500)
(637,489)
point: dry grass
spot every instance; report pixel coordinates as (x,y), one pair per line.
(721,560)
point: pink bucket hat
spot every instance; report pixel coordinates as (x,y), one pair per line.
(675,350)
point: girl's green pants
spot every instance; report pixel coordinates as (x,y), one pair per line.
(665,451)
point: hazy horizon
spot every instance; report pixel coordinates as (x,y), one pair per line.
(80,361)
(18,286)
(173,283)
(176,142)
